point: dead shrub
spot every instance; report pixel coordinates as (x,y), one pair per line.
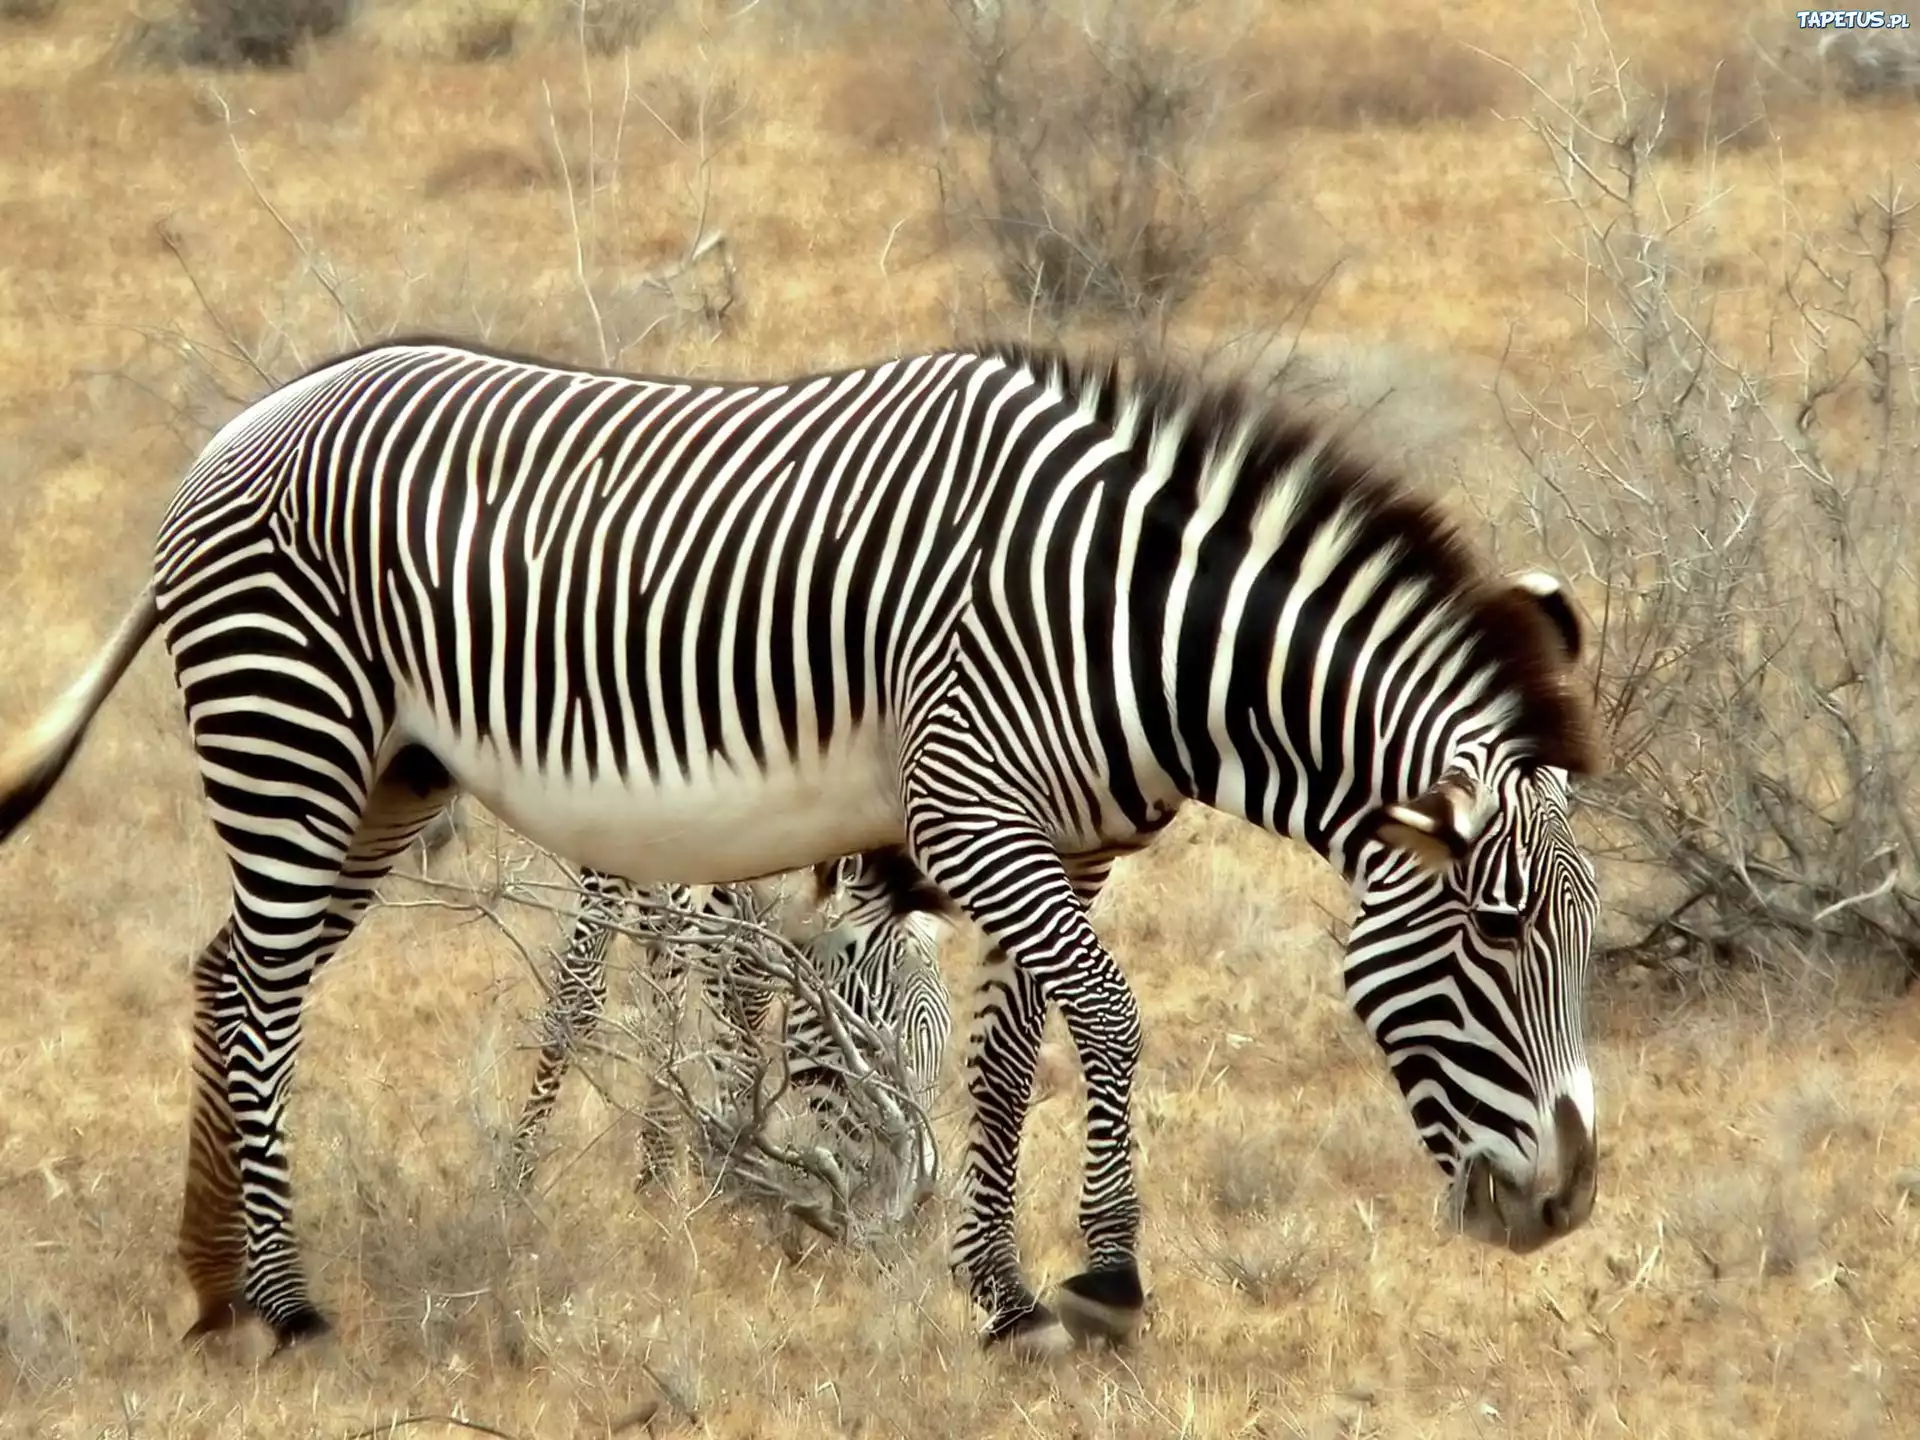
(40,1347)
(1740,517)
(700,110)
(888,97)
(460,32)
(480,31)
(30,12)
(1085,172)
(1727,108)
(1247,1174)
(608,27)
(486,167)
(1279,1264)
(590,305)
(1750,1225)
(224,34)
(891,88)
(1871,64)
(726,1094)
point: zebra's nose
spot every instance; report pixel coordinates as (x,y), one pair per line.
(1566,1188)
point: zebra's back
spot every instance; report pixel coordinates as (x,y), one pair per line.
(657,626)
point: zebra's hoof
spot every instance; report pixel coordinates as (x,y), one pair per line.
(304,1327)
(1035,1335)
(216,1318)
(1101,1305)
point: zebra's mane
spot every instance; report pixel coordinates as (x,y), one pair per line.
(1272,436)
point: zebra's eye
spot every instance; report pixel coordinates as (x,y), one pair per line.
(1498,923)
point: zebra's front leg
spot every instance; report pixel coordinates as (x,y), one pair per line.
(1004,872)
(1106,1300)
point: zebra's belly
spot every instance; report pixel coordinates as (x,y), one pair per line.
(727,823)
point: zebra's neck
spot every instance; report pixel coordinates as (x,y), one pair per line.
(1302,644)
(1302,709)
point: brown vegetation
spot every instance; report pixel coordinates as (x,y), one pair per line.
(761,194)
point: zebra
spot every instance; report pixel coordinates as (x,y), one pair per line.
(881,958)
(1006,607)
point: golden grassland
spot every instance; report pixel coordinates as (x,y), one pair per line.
(1752,1266)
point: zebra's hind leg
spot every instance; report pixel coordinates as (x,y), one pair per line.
(302,880)
(213,1238)
(738,1007)
(661,1121)
(574,1008)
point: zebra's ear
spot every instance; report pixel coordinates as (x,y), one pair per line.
(826,880)
(1435,828)
(1554,601)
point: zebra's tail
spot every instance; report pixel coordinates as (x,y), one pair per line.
(33,764)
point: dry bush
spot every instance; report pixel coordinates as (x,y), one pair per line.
(230,33)
(40,1353)
(1728,107)
(1087,170)
(1742,519)
(489,167)
(607,27)
(677,1072)
(1867,64)
(482,30)
(1836,66)
(1244,1175)
(695,108)
(1755,1223)
(479,31)
(248,340)
(1351,75)
(1276,1262)
(1772,1216)
(30,12)
(809,24)
(889,89)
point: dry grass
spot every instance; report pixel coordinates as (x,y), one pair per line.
(1752,1268)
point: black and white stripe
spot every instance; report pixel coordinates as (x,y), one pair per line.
(1004,610)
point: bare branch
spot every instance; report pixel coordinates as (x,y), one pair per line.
(1735,511)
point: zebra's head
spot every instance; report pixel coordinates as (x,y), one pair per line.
(882,956)
(1468,962)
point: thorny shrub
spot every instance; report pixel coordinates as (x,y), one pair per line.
(1078,152)
(1736,492)
(224,34)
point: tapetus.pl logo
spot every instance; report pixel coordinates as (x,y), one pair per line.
(1851,20)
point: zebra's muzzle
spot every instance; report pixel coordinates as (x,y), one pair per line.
(1523,1212)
